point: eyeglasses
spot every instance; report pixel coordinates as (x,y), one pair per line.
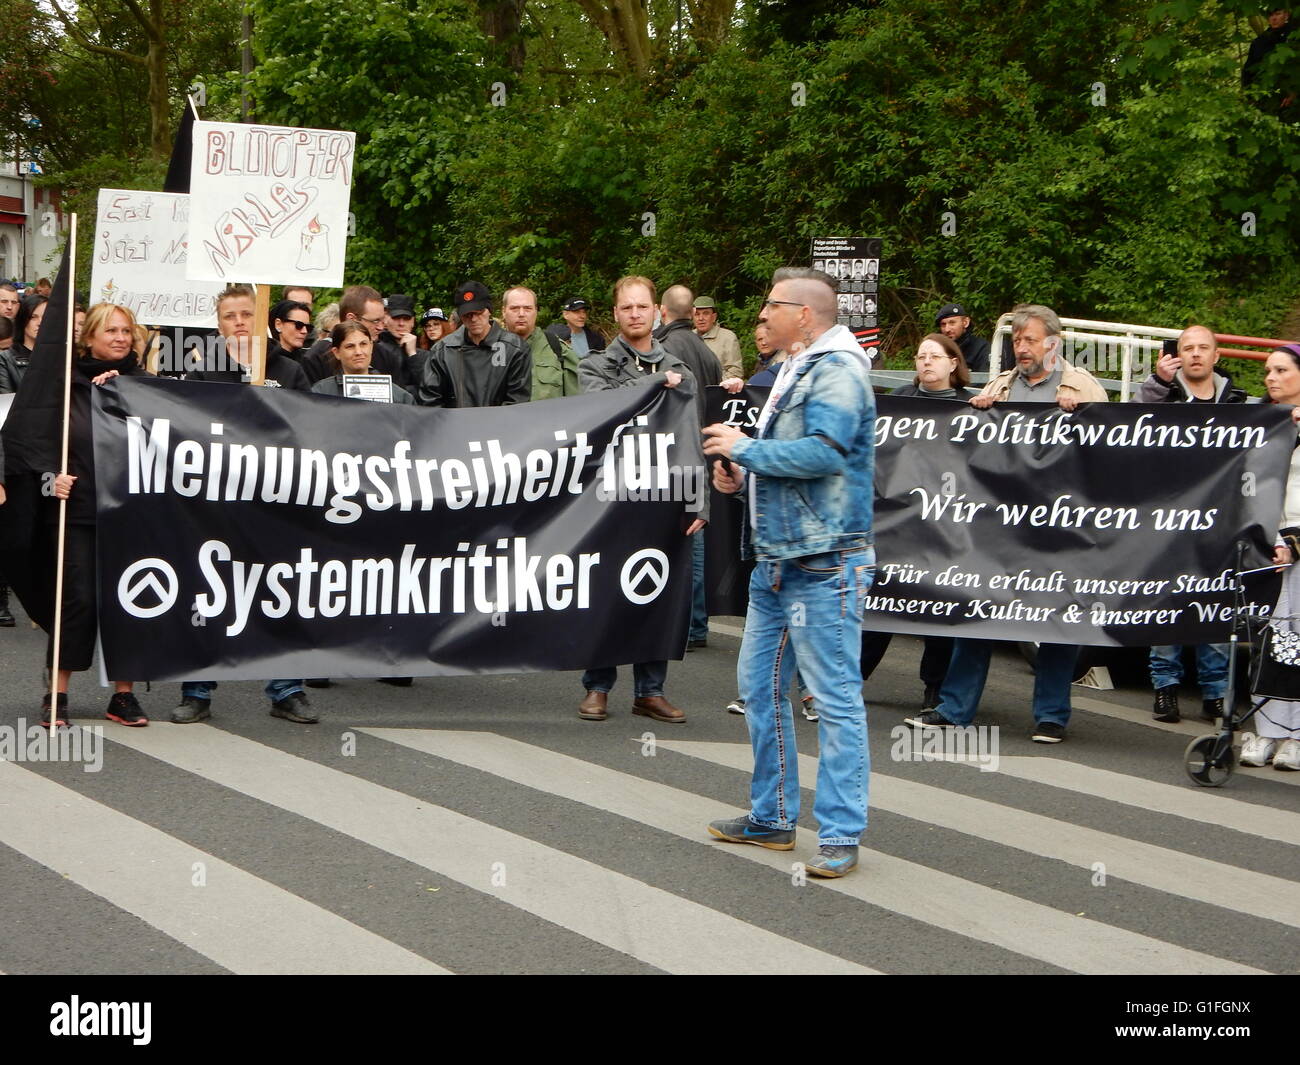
(304,326)
(373,321)
(782,303)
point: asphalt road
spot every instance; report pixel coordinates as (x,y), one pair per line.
(476,825)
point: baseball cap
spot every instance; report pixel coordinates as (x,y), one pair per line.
(434,314)
(705,303)
(576,303)
(473,296)
(400,306)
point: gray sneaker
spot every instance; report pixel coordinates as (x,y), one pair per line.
(833,861)
(743,830)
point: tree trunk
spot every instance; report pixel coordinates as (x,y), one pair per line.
(500,21)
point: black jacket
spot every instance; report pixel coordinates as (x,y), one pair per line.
(81,450)
(680,338)
(975,350)
(560,331)
(460,373)
(279,368)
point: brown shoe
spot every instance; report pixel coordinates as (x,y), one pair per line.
(592,708)
(659,708)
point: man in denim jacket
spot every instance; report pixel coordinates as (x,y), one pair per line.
(808,478)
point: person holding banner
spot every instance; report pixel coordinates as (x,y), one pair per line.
(106,351)
(941,373)
(351,348)
(634,357)
(1277,721)
(808,474)
(1040,375)
(235,314)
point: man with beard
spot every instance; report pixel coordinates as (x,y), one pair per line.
(954,323)
(1040,375)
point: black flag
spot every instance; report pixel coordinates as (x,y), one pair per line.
(33,444)
(178,170)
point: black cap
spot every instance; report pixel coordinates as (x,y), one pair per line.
(472,296)
(400,306)
(949,310)
(576,303)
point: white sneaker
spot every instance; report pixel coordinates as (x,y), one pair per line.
(1256,750)
(1288,755)
(809,710)
(736,706)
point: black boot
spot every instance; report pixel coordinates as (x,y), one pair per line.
(6,618)
(1166,704)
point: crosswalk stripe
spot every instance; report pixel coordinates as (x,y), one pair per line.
(940,899)
(1216,883)
(1207,807)
(646,922)
(149,874)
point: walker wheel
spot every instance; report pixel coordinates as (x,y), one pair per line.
(1201,765)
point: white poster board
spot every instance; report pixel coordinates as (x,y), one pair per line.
(269,204)
(141,246)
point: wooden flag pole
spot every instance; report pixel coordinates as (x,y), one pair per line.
(261,309)
(56,635)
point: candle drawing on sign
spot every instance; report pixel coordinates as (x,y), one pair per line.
(314,253)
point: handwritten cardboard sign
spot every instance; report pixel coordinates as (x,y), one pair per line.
(269,204)
(140,252)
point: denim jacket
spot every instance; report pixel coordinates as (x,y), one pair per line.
(810,472)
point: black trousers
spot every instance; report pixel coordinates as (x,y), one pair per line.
(77,639)
(934,659)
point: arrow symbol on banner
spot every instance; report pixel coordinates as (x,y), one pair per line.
(154,576)
(653,566)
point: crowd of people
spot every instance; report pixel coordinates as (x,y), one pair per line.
(813,441)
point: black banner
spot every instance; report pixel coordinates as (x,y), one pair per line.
(252,533)
(1113,525)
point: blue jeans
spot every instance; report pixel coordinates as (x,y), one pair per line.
(275,689)
(699,610)
(647,679)
(968,669)
(813,607)
(1166,663)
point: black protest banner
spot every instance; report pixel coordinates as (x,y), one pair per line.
(726,576)
(1112,525)
(252,533)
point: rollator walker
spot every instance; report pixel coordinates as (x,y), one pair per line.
(1210,760)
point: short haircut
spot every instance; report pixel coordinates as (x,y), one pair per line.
(10,286)
(97,318)
(1189,328)
(505,296)
(678,301)
(231,292)
(635,279)
(284,294)
(1026,311)
(327,317)
(961,372)
(281,311)
(815,288)
(354,300)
